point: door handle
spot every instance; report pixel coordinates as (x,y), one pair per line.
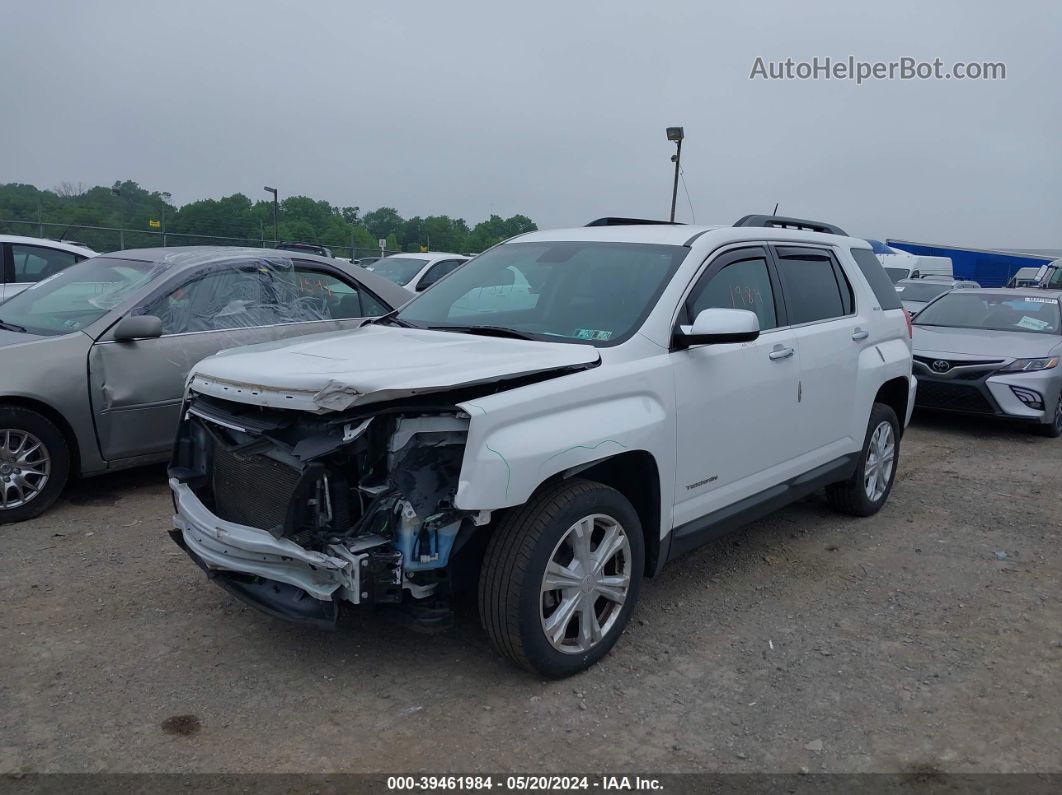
(860,334)
(781,353)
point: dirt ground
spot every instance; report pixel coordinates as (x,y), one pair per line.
(928,637)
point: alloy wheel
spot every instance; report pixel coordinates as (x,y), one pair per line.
(881,458)
(24,467)
(585,584)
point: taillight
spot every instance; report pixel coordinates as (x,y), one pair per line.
(910,326)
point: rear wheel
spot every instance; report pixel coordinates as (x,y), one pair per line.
(561,576)
(866,491)
(1053,429)
(34,464)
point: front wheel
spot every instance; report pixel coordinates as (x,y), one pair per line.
(865,492)
(561,576)
(34,464)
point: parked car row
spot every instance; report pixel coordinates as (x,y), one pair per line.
(550,423)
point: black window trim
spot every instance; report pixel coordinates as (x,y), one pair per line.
(719,259)
(7,264)
(838,275)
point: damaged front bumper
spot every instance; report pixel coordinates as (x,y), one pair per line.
(276,575)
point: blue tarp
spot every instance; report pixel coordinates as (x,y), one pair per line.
(986,267)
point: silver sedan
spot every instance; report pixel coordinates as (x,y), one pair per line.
(93,360)
(992,352)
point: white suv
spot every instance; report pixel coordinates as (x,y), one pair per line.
(639,389)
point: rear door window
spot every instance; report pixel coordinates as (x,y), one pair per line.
(815,287)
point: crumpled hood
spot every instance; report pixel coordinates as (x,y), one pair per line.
(338,370)
(979,342)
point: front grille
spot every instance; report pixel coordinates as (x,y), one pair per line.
(952,397)
(928,361)
(252,490)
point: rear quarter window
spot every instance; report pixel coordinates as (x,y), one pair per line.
(880,283)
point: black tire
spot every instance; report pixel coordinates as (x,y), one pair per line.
(1053,430)
(51,438)
(520,547)
(850,496)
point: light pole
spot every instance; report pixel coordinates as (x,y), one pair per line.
(276,233)
(166,196)
(117,191)
(675,134)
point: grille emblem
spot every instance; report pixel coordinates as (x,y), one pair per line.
(940,366)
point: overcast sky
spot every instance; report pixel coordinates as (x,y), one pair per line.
(553,109)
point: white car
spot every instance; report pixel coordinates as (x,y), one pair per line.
(644,389)
(417,272)
(27,260)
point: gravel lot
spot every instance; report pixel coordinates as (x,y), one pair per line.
(928,637)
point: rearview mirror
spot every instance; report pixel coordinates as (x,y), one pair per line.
(718,326)
(138,327)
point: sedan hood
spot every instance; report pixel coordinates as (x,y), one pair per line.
(333,372)
(981,342)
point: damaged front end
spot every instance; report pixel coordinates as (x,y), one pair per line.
(297,513)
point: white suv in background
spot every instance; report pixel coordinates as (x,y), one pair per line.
(417,272)
(27,260)
(653,387)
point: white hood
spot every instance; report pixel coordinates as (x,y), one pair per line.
(333,372)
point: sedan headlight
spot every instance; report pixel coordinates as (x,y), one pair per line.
(1030,365)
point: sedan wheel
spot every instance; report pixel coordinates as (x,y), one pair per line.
(25,467)
(585,584)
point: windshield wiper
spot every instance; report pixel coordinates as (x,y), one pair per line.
(12,327)
(487,331)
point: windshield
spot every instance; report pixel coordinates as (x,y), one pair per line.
(590,292)
(924,291)
(964,309)
(399,270)
(898,273)
(78,296)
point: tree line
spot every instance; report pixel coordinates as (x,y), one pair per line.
(69,211)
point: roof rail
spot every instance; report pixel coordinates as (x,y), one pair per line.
(784,222)
(615,221)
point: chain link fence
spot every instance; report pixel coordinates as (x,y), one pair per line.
(111,238)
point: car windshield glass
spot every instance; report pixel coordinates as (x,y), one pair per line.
(400,270)
(897,273)
(994,312)
(589,292)
(925,291)
(78,296)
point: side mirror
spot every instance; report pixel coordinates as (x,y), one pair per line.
(718,327)
(138,327)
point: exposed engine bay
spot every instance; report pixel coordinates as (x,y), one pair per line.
(371,491)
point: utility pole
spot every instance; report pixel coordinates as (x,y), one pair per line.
(276,207)
(675,134)
(166,196)
(117,191)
